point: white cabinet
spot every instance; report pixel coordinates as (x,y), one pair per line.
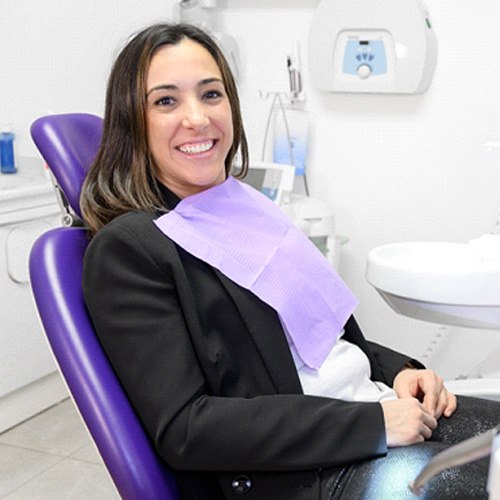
(29,381)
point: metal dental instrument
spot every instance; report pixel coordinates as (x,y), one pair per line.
(467,451)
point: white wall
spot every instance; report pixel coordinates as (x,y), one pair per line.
(55,55)
(394,167)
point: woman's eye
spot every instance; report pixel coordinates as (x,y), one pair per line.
(212,94)
(165,101)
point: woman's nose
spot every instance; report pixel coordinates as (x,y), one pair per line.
(195,116)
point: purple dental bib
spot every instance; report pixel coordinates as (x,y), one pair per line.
(243,234)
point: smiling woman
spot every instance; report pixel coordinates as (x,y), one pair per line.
(231,334)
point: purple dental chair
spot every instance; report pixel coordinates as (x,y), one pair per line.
(68,143)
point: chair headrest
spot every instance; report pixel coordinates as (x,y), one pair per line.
(68,143)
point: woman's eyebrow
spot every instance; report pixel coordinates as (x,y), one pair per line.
(164,86)
(208,81)
(170,86)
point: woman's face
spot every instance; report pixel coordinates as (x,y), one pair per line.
(189,120)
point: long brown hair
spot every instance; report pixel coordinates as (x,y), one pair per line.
(122,177)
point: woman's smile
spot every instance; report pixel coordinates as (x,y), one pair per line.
(196,148)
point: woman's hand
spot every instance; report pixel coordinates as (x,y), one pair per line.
(406,422)
(422,399)
(428,388)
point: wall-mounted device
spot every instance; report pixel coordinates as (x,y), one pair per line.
(385,46)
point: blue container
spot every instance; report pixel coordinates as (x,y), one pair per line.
(7,160)
(291,140)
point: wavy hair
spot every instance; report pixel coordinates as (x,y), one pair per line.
(122,176)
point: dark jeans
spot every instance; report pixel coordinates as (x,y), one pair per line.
(387,478)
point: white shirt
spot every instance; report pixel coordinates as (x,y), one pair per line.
(345,374)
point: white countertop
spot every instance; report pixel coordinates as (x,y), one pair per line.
(29,188)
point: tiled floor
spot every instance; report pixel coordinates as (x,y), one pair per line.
(51,457)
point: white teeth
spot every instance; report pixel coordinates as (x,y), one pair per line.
(196,148)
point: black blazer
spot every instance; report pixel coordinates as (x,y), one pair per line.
(207,367)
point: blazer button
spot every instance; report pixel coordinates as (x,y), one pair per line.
(241,485)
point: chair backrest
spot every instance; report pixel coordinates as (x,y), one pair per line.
(68,143)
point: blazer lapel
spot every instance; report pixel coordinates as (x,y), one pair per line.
(263,324)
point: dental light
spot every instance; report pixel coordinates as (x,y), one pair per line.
(198,13)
